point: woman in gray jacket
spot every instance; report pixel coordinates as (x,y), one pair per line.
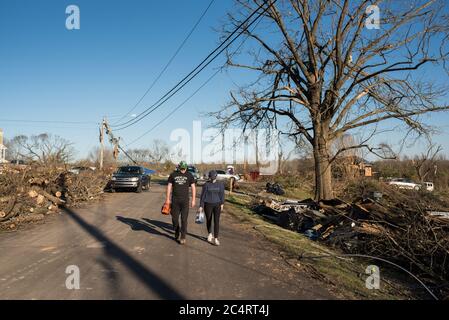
(212,201)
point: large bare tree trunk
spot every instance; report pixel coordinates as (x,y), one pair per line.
(323,172)
(331,75)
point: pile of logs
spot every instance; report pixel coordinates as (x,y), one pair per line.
(406,227)
(28,194)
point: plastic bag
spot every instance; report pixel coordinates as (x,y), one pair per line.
(199,216)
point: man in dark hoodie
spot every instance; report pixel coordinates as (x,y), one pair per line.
(212,201)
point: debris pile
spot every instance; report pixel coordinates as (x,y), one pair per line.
(409,228)
(274,188)
(28,194)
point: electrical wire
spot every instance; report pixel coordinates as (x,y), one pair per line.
(134,161)
(161,73)
(192,74)
(49,121)
(198,69)
(191,96)
(360,256)
(374,258)
(176,109)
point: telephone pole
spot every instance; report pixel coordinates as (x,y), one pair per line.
(102,126)
(106,129)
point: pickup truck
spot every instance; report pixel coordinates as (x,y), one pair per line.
(131,177)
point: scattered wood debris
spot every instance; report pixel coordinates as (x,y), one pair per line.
(408,227)
(28,194)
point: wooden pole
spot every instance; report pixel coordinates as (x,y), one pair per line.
(231,184)
(102,144)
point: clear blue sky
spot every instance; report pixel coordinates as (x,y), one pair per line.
(50,73)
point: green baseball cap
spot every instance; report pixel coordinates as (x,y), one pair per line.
(183,165)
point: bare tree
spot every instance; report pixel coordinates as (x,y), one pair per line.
(44,148)
(426,163)
(139,155)
(108,157)
(159,151)
(321,72)
(15,150)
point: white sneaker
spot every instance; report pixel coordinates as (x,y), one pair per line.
(217,243)
(210,238)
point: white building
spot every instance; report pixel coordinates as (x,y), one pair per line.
(2,149)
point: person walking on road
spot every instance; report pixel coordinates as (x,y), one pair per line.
(178,196)
(212,202)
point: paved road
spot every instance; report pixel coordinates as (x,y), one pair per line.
(124,249)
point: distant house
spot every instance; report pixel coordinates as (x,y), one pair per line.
(2,149)
(363,167)
(355,167)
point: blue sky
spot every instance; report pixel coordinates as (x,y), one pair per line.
(49,73)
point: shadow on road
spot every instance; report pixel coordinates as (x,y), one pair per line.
(151,227)
(148,278)
(168,228)
(138,225)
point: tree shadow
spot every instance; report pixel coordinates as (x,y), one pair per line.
(113,278)
(149,279)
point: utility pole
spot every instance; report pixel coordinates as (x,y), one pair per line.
(102,126)
(106,129)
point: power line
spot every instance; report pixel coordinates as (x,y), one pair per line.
(49,121)
(215,53)
(126,154)
(176,109)
(191,96)
(195,72)
(169,62)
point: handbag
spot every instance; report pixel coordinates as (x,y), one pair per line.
(199,216)
(166,209)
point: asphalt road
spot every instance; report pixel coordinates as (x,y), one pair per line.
(124,249)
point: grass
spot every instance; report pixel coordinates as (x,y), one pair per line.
(297,193)
(345,277)
(293,190)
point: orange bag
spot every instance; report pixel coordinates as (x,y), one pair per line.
(166,209)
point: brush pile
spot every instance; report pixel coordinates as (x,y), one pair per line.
(28,194)
(410,228)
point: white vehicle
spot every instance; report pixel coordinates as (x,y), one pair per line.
(429,186)
(405,184)
(223,175)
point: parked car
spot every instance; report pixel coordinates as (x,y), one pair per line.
(195,173)
(78,170)
(429,186)
(222,175)
(131,177)
(402,183)
(17,162)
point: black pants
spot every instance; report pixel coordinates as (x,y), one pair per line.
(213,210)
(180,207)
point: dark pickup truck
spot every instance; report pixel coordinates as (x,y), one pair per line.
(131,177)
